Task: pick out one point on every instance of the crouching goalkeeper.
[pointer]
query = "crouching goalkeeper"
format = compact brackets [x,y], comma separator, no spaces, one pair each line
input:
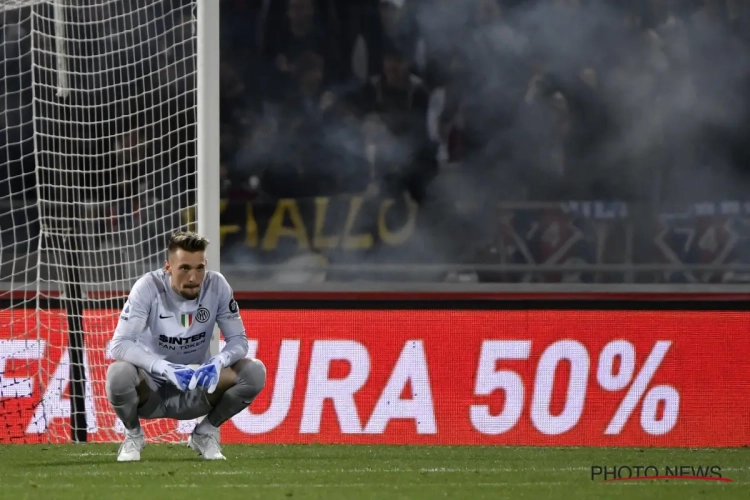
[161,348]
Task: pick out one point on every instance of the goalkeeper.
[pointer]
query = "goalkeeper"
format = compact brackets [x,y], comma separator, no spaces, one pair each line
[161,346]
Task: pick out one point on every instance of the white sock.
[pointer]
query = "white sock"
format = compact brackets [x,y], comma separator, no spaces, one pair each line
[134,432]
[205,427]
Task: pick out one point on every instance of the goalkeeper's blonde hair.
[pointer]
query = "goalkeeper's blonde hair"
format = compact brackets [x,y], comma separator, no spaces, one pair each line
[187,241]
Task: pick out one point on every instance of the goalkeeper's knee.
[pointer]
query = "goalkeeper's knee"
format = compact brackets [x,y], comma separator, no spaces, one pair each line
[122,380]
[251,377]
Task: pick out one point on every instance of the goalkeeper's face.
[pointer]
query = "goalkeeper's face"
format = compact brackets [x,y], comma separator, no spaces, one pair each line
[187,270]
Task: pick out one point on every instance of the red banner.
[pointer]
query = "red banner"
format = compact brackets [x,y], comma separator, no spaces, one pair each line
[589,378]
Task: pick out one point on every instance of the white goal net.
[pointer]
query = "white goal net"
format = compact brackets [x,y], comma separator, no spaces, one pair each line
[97,166]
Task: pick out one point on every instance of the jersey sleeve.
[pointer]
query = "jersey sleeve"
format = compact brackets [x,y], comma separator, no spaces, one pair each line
[132,323]
[230,323]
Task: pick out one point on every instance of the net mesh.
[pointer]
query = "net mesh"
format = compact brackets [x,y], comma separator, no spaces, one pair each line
[97,154]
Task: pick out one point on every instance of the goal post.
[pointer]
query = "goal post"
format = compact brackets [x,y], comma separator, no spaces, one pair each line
[109,134]
[209,139]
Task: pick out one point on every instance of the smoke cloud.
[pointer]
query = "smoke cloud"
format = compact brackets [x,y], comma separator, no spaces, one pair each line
[662,122]
[570,100]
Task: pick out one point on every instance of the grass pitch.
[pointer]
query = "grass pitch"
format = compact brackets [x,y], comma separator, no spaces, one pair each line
[166,472]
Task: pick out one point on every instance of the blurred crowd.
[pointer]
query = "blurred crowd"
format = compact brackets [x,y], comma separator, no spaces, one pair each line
[509,99]
[490,99]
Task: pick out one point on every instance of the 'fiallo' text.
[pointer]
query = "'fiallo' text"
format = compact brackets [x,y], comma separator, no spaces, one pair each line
[347,223]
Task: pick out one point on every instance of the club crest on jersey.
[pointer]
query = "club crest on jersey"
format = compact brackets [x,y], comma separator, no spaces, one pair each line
[186,320]
[202,315]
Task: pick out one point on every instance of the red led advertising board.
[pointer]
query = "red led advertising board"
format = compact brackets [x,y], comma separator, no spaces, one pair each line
[538,377]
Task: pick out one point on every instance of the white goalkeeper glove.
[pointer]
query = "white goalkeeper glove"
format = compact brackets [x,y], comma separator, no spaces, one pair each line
[207,375]
[178,375]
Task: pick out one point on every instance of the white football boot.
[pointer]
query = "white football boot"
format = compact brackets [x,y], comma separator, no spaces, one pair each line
[207,445]
[130,449]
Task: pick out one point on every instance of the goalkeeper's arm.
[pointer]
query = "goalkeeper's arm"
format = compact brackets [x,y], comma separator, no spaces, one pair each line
[125,349]
[131,324]
[230,323]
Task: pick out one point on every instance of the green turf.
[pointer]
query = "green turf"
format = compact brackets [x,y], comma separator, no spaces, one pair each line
[358,472]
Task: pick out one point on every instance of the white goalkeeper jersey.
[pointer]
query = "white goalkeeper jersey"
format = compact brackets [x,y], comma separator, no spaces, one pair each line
[158,323]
